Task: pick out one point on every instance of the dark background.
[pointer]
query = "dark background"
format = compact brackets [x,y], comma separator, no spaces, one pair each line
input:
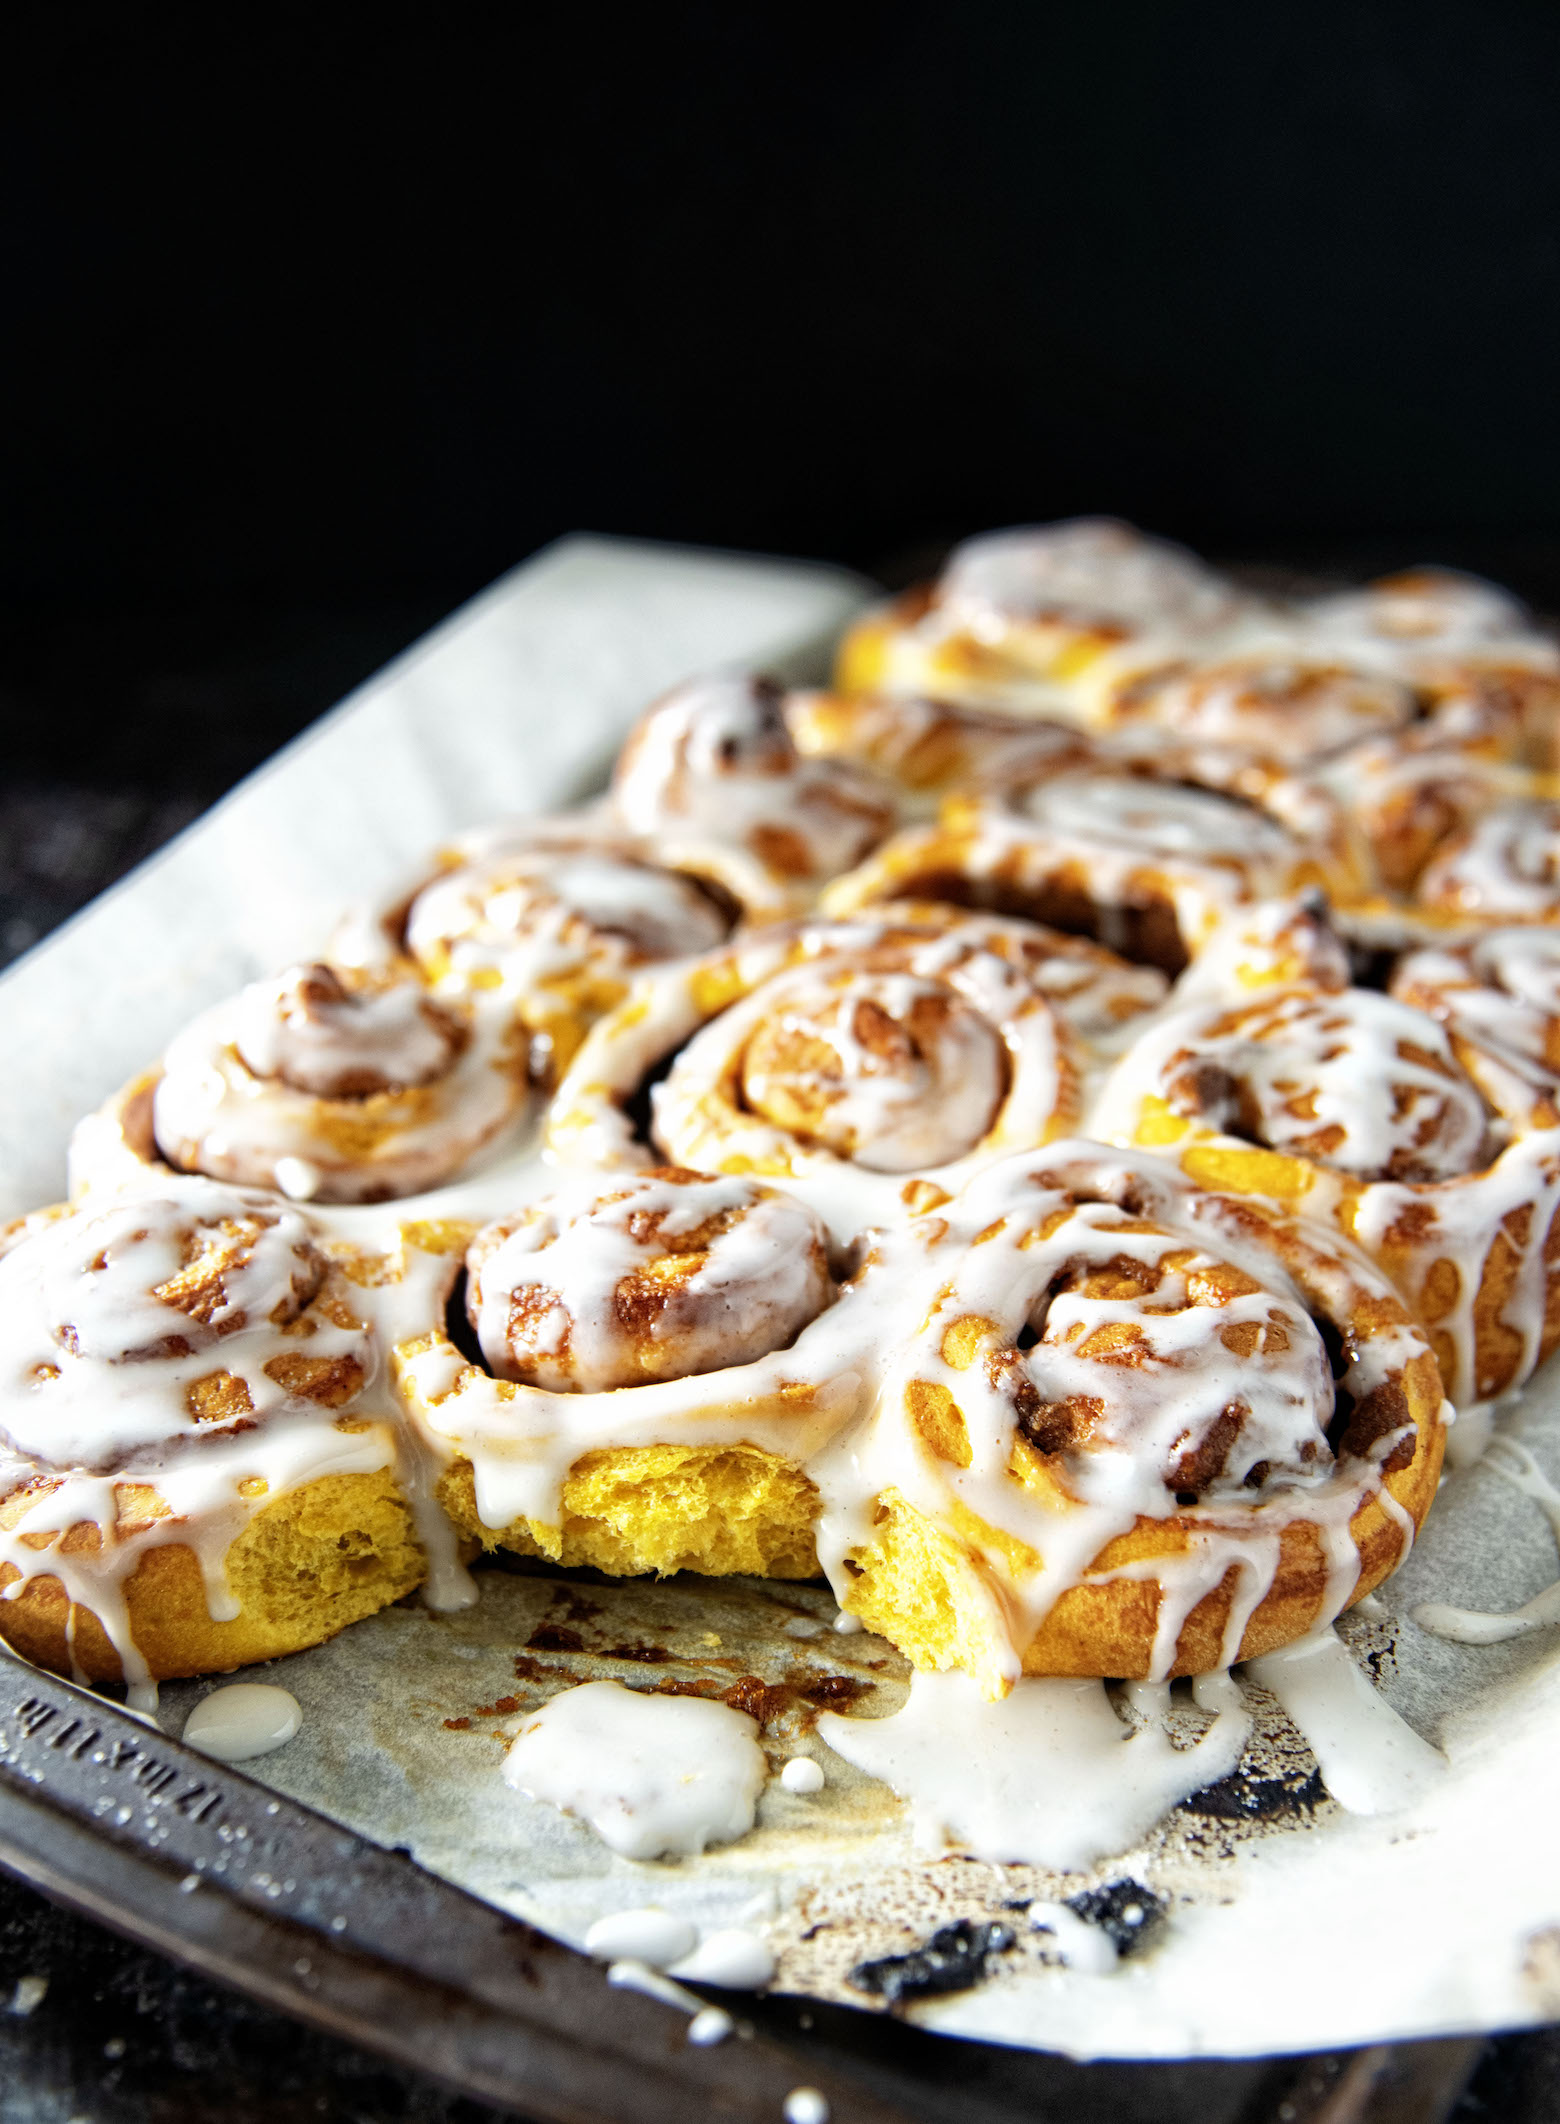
[312,323]
[316,322]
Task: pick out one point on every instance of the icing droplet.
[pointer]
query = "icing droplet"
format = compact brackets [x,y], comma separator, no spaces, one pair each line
[298,1178]
[711,2026]
[236,1724]
[848,1625]
[1372,1761]
[648,1935]
[801,1774]
[1048,1776]
[804,2105]
[737,1959]
[653,1775]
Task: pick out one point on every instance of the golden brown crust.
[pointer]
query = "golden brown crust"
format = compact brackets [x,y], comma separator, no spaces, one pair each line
[305,1566]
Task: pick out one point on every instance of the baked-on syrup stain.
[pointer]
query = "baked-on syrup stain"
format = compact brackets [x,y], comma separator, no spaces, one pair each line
[1128,1913]
[953,1959]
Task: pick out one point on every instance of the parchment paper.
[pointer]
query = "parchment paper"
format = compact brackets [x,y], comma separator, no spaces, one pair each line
[1307,1929]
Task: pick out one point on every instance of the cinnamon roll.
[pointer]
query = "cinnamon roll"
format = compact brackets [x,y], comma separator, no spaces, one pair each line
[928,748]
[1139,1430]
[1149,867]
[193,1475]
[556,917]
[1355,1108]
[1438,611]
[1017,616]
[711,778]
[910,1043]
[653,1359]
[1504,867]
[326,1083]
[1284,706]
[1498,996]
[1413,793]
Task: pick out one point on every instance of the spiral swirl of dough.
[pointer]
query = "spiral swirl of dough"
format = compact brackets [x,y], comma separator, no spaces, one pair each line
[906,1042]
[1504,867]
[1148,866]
[557,919]
[712,779]
[1352,1080]
[1286,708]
[665,1274]
[1116,1443]
[168,1317]
[336,1086]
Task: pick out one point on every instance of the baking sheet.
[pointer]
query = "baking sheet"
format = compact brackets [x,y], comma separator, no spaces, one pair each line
[1309,1929]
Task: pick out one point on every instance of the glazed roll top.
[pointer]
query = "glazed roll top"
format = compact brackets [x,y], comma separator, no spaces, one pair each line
[556,919]
[666,1275]
[1284,707]
[1090,575]
[1134,1433]
[336,1084]
[193,1470]
[164,1320]
[1505,866]
[713,774]
[1348,1079]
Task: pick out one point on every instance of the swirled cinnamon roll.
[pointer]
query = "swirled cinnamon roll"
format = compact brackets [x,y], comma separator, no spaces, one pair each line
[1286,708]
[1138,1430]
[556,917]
[1413,793]
[1356,1108]
[929,748]
[712,780]
[910,1043]
[1498,996]
[1148,866]
[1504,867]
[1017,616]
[326,1083]
[654,1359]
[1428,610]
[192,1472]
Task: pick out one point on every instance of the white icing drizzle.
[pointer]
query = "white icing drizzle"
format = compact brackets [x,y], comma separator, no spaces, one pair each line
[336,1093]
[1510,1459]
[1498,996]
[1419,608]
[1167,1378]
[710,2025]
[1506,864]
[245,1720]
[1353,1080]
[1087,574]
[735,1958]
[713,777]
[1082,1946]
[319,1035]
[805,2105]
[646,1935]
[156,1345]
[1286,707]
[1459,1223]
[1372,1761]
[1048,1776]
[654,1776]
[555,1294]
[702,1115]
[536,909]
